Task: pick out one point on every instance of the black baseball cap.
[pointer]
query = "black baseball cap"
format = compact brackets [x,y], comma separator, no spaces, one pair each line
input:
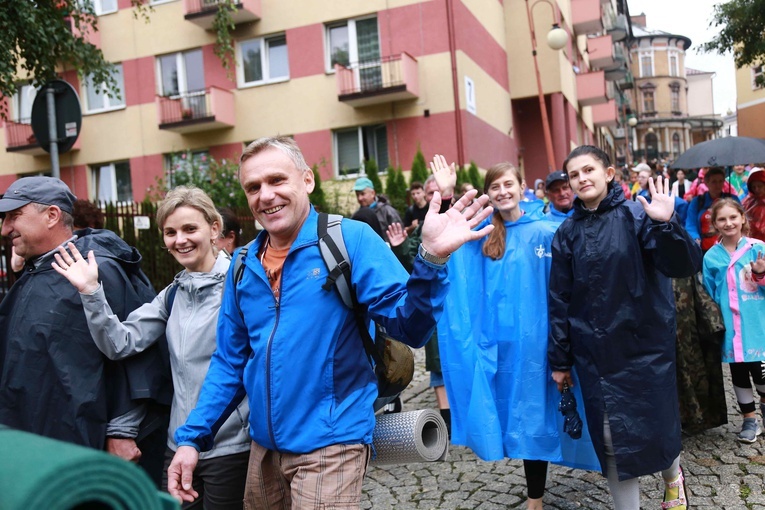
[556,176]
[38,190]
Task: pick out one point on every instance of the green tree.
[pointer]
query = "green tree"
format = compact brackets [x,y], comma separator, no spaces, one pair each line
[396,189]
[317,197]
[462,177]
[219,179]
[420,171]
[38,36]
[739,26]
[475,176]
[370,167]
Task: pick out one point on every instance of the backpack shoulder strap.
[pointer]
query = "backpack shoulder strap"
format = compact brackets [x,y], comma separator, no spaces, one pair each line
[170,294]
[239,267]
[335,255]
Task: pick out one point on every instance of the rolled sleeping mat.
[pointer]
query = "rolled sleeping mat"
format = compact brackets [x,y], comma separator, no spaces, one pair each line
[39,472]
[415,436]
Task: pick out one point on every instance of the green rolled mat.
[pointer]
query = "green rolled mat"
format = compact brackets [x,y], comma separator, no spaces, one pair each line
[38,473]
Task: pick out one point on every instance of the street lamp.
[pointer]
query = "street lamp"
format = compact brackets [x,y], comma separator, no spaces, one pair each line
[631,122]
[556,39]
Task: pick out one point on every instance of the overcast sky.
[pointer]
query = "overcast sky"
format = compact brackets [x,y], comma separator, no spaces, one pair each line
[691,19]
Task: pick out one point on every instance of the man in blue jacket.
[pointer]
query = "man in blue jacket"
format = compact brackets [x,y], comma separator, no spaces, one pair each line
[561,197]
[294,348]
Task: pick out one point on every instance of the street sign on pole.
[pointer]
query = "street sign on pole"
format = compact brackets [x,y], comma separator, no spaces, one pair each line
[56,119]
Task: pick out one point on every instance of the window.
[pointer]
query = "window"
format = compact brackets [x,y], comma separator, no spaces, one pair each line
[756,73]
[674,69]
[111,182]
[646,64]
[353,43]
[674,95]
[182,76]
[105,6]
[648,103]
[676,144]
[22,103]
[187,167]
[355,146]
[262,60]
[98,97]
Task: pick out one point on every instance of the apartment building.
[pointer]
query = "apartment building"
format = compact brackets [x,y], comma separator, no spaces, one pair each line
[349,80]
[750,102]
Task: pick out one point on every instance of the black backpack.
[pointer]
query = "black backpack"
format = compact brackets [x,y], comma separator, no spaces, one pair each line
[392,360]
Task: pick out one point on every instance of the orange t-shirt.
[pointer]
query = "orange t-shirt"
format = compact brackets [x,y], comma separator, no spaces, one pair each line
[272,261]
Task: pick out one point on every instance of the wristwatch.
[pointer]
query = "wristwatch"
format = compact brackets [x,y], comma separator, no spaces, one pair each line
[432,258]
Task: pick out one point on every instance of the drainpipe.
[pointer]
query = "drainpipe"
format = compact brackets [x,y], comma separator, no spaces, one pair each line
[455,84]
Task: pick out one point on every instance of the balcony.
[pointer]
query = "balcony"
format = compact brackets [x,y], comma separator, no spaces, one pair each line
[601,52]
[591,88]
[617,28]
[586,16]
[193,112]
[605,114]
[202,12]
[385,80]
[19,139]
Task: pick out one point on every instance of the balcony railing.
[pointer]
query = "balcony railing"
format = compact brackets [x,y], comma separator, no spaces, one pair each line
[383,80]
[591,88]
[20,139]
[202,12]
[194,111]
[601,52]
[605,114]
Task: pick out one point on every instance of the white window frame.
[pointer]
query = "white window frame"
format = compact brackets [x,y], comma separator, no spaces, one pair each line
[353,50]
[105,94]
[336,153]
[673,55]
[649,54]
[756,71]
[160,2]
[265,63]
[95,174]
[183,86]
[97,7]
[202,154]
[23,89]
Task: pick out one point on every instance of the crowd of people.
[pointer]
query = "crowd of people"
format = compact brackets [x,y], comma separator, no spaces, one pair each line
[224,391]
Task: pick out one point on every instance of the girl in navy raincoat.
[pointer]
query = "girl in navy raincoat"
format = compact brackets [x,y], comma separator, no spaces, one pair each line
[493,355]
[619,332]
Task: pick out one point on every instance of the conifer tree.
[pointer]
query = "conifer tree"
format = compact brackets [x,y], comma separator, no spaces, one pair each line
[420,171]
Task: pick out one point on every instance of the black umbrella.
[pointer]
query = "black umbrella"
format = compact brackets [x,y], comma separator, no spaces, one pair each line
[728,151]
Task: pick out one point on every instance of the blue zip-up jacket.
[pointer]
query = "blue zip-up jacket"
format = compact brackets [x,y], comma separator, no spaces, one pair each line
[696,208]
[301,360]
[556,216]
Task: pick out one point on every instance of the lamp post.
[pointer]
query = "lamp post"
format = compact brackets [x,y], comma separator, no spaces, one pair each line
[631,122]
[556,39]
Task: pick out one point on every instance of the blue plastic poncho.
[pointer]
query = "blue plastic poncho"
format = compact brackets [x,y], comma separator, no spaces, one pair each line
[493,342]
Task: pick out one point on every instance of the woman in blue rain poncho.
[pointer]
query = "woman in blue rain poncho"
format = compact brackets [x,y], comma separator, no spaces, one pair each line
[494,353]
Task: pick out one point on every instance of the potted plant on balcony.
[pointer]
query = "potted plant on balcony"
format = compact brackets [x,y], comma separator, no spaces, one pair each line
[187,113]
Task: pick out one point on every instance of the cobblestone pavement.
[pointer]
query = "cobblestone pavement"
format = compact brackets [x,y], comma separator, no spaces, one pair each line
[720,473]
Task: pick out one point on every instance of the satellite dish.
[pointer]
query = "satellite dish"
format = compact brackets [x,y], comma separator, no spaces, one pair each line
[68,115]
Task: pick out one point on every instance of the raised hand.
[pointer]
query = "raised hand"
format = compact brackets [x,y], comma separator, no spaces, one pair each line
[758,265]
[81,273]
[396,234]
[662,204]
[444,233]
[445,175]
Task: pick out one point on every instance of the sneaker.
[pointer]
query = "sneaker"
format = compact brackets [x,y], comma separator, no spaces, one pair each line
[749,430]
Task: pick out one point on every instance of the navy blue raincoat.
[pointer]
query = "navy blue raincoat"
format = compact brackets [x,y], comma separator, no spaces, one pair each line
[612,316]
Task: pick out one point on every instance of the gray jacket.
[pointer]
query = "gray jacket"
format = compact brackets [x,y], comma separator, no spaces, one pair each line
[190,331]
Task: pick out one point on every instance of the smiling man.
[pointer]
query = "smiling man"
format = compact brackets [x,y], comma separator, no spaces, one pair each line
[294,348]
[53,379]
[368,197]
[561,197]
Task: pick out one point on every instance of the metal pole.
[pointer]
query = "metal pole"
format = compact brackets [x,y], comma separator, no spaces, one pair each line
[50,94]
[542,103]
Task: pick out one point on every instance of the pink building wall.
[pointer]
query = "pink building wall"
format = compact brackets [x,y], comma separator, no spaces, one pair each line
[140,81]
[305,49]
[144,171]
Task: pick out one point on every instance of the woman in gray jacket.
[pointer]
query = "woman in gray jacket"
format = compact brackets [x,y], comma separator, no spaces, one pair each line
[186,312]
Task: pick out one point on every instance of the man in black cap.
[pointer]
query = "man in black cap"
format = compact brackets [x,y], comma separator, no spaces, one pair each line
[561,197]
[53,379]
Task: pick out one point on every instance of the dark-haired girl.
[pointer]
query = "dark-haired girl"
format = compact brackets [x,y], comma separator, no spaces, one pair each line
[493,339]
[619,333]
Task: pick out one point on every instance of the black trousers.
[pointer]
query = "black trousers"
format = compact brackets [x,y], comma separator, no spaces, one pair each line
[219,481]
[536,477]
